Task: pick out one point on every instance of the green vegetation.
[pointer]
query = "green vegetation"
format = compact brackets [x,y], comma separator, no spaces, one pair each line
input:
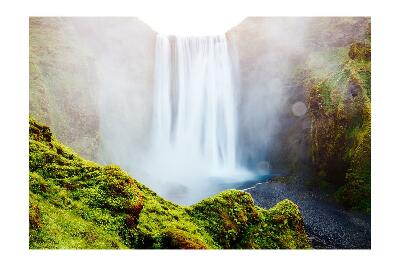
[339,101]
[60,84]
[78,204]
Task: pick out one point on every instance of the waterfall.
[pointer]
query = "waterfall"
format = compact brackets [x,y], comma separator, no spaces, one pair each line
[194,132]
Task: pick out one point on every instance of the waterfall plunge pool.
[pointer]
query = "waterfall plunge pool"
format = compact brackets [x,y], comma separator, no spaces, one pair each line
[208,186]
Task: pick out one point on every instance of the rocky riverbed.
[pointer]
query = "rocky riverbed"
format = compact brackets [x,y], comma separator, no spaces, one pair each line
[328,224]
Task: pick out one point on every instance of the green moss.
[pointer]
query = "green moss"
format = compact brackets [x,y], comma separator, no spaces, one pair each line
[75,203]
[360,51]
[279,227]
[65,229]
[356,192]
[325,62]
[60,84]
[339,99]
[226,216]
[235,222]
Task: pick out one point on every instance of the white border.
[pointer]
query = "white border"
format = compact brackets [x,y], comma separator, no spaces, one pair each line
[14,134]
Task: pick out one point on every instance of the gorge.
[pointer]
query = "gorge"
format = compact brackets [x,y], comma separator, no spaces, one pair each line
[280,99]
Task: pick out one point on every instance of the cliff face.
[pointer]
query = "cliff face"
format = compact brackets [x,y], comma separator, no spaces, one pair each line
[272,54]
[323,66]
[339,101]
[78,69]
[268,50]
[61,84]
[75,203]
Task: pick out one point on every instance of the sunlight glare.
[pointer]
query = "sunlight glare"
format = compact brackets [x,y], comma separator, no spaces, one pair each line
[192,25]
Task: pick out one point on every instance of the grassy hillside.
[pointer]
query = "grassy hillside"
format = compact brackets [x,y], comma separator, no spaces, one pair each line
[78,204]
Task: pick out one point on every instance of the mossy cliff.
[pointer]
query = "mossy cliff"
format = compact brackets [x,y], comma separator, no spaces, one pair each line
[338,82]
[61,81]
[78,204]
[72,62]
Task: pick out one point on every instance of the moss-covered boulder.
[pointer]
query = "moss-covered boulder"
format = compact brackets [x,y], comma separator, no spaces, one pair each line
[279,227]
[77,204]
[226,216]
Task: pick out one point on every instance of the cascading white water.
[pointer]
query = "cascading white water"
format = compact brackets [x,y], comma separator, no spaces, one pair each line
[194,117]
[194,110]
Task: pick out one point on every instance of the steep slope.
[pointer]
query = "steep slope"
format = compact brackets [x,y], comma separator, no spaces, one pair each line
[270,51]
[323,64]
[83,73]
[75,203]
[61,84]
[338,83]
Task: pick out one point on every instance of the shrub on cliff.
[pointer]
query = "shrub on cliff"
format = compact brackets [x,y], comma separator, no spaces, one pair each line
[360,51]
